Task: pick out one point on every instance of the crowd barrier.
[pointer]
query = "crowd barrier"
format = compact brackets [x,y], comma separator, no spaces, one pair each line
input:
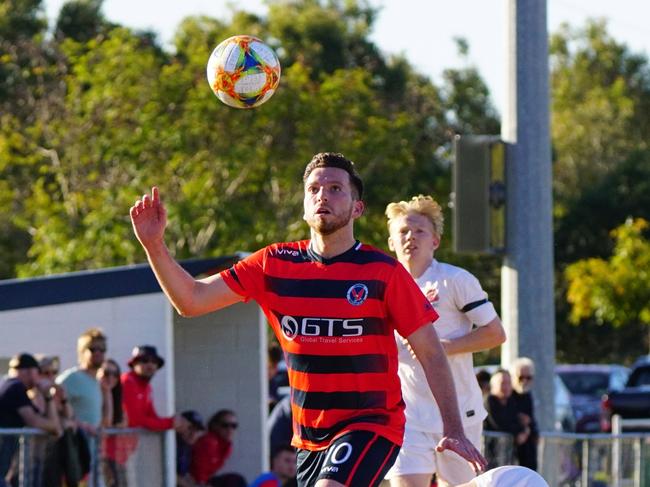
[135,457]
[581,460]
[118,457]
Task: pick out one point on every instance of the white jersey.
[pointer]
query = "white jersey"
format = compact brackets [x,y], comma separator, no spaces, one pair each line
[460,302]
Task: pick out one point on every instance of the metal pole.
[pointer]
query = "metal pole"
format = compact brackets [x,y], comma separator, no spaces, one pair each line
[637,462]
[616,451]
[24,465]
[585,462]
[527,305]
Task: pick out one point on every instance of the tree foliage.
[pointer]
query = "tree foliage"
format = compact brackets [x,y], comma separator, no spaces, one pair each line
[616,290]
[110,114]
[600,96]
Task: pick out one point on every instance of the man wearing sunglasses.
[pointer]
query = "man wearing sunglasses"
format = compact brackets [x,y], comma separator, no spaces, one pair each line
[137,394]
[211,450]
[80,383]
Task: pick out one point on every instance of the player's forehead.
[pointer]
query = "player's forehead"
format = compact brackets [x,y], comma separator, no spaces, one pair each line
[328,175]
[412,219]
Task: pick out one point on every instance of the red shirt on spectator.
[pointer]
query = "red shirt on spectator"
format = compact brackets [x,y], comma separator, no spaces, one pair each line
[137,402]
[209,453]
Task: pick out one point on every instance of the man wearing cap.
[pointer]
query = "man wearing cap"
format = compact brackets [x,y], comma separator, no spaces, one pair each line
[17,410]
[137,394]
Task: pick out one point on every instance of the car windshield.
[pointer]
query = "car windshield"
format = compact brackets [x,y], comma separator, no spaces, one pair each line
[586,382]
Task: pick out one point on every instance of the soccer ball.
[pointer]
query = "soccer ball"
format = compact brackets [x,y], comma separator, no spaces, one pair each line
[243,71]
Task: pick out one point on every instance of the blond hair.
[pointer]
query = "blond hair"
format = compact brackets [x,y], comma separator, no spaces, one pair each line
[88,337]
[424,205]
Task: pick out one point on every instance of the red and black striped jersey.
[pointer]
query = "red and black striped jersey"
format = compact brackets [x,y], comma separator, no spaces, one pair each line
[334,319]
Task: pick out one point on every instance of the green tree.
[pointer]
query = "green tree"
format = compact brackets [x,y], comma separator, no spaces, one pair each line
[601,94]
[128,115]
[616,290]
[81,20]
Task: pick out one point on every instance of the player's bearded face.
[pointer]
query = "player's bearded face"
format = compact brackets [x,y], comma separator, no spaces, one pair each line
[329,205]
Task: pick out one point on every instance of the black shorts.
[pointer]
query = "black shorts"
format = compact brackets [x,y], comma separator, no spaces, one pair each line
[355,459]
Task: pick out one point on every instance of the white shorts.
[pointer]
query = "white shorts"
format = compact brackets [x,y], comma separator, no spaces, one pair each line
[418,455]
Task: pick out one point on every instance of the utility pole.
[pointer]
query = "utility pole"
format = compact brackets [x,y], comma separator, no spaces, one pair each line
[527,304]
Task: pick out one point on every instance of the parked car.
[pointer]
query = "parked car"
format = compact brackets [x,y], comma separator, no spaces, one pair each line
[632,401]
[586,384]
[564,417]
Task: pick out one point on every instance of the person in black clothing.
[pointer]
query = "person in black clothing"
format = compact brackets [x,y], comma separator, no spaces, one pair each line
[503,414]
[523,372]
[17,410]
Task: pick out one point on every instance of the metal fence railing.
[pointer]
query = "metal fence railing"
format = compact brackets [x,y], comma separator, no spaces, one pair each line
[581,460]
[134,458]
[118,457]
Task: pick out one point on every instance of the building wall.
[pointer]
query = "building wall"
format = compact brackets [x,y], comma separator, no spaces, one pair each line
[212,362]
[220,363]
[126,321]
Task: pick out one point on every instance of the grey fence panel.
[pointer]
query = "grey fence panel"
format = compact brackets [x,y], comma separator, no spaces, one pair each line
[134,458]
[118,458]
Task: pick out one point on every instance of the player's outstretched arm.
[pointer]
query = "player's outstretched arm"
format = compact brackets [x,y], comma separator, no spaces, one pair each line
[428,349]
[189,296]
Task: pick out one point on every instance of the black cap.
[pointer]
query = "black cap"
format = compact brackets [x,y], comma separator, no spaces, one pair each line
[23,361]
[194,418]
[148,351]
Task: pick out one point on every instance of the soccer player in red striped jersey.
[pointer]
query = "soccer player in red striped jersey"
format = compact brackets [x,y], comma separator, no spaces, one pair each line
[334,304]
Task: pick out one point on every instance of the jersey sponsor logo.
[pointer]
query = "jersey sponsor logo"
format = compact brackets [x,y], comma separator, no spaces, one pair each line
[357,294]
[320,327]
[291,252]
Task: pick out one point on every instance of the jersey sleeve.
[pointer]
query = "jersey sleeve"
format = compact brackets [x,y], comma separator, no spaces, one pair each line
[408,308]
[472,300]
[246,277]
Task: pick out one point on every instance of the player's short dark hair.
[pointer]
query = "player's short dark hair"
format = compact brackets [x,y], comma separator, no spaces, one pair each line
[334,159]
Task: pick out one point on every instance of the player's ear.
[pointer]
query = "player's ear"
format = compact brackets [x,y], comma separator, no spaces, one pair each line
[436,242]
[391,247]
[358,208]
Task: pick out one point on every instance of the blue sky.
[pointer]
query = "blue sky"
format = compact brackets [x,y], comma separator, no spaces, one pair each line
[423,30]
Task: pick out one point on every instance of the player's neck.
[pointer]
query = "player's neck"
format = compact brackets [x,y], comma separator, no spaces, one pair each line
[417,267]
[334,244]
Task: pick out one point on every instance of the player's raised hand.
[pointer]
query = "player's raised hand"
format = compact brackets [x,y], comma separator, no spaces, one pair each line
[463,447]
[149,218]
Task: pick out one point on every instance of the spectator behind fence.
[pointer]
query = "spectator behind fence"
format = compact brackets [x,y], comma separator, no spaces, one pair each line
[18,411]
[109,380]
[483,379]
[212,449]
[113,417]
[137,393]
[280,424]
[283,469]
[184,444]
[275,379]
[502,409]
[523,373]
[63,457]
[80,382]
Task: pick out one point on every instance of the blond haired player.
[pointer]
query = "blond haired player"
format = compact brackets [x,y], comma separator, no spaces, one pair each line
[468,323]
